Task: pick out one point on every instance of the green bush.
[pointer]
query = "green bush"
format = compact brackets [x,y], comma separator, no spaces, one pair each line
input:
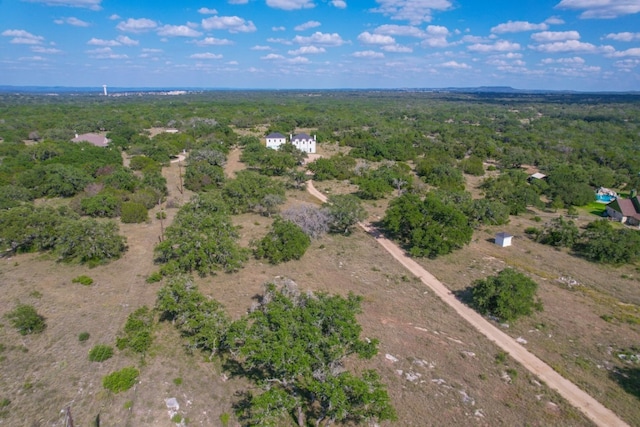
[137,331]
[26,319]
[83,280]
[83,336]
[100,353]
[154,277]
[507,296]
[285,241]
[121,380]
[133,213]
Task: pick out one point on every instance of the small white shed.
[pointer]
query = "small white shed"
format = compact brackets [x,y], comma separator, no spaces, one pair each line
[503,239]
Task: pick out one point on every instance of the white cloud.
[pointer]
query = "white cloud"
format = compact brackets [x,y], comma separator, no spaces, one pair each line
[22,37]
[319,38]
[368,38]
[436,36]
[629,52]
[456,65]
[307,50]
[40,49]
[623,37]
[72,21]
[554,36]
[31,58]
[499,46]
[280,28]
[627,64]
[570,46]
[178,31]
[298,60]
[141,25]
[554,20]
[370,54]
[127,41]
[238,1]
[207,11]
[400,30]
[280,41]
[105,53]
[114,17]
[290,4]
[233,24]
[601,9]
[307,25]
[272,57]
[414,11]
[518,27]
[576,60]
[100,42]
[212,41]
[340,4]
[207,55]
[120,40]
[396,48]
[259,47]
[87,4]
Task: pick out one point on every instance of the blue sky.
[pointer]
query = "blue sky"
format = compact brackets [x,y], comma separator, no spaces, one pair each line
[587,45]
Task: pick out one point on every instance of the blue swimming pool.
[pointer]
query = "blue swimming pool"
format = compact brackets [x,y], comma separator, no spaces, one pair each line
[605,198]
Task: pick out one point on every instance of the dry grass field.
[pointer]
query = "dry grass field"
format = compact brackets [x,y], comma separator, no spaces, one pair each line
[439,371]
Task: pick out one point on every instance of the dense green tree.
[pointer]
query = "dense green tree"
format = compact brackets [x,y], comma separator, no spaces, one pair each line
[284,242]
[428,227]
[13,195]
[28,228]
[603,243]
[247,190]
[486,212]
[508,295]
[133,213]
[345,211]
[512,189]
[294,345]
[472,165]
[201,320]
[54,180]
[105,204]
[89,241]
[201,239]
[202,176]
[137,332]
[559,232]
[338,167]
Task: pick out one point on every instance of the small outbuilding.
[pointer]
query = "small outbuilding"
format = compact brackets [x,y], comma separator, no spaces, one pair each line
[503,239]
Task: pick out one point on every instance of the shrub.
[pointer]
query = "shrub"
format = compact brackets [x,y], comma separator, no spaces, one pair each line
[121,380]
[26,320]
[83,280]
[154,277]
[133,213]
[83,336]
[285,241]
[507,296]
[100,353]
[137,331]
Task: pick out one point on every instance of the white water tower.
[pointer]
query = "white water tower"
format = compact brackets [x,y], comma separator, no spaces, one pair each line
[104,89]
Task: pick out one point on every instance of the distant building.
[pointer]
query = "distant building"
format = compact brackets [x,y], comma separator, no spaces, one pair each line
[301,141]
[535,176]
[503,239]
[304,142]
[627,211]
[92,138]
[275,140]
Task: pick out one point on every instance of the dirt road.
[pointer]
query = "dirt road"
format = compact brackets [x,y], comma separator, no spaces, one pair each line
[593,409]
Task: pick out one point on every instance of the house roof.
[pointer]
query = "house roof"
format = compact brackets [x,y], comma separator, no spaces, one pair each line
[627,207]
[92,138]
[503,235]
[301,136]
[538,175]
[276,135]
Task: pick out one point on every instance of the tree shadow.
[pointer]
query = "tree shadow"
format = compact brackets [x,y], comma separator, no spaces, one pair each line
[628,378]
[465,296]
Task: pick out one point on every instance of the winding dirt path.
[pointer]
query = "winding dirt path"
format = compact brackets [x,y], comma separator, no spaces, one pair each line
[593,409]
